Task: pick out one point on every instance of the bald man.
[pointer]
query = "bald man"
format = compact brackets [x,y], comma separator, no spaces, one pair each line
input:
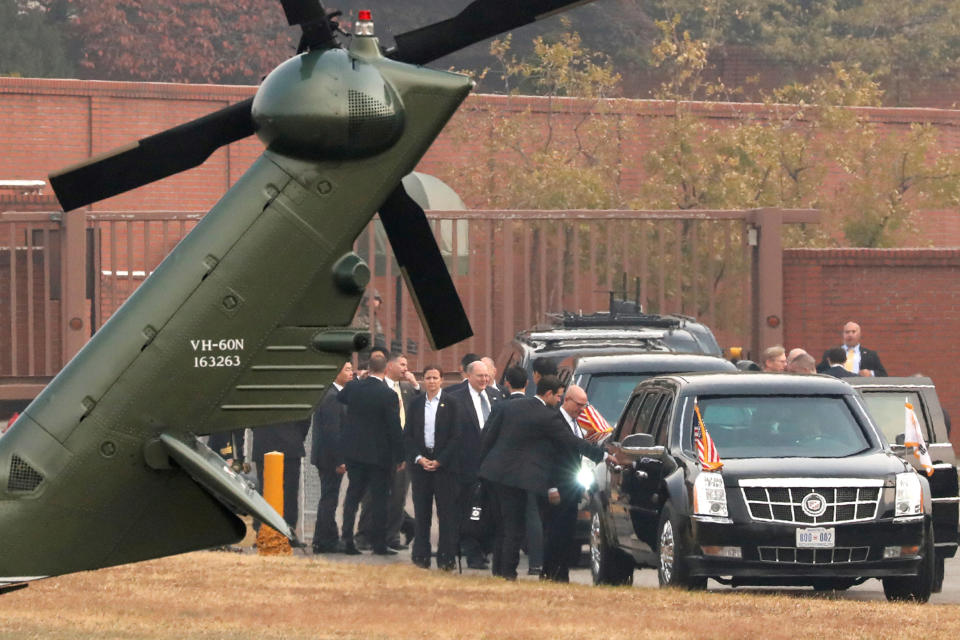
[859,360]
[560,519]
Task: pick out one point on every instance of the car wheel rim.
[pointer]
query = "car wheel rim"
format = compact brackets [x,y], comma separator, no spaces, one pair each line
[666,552]
[595,544]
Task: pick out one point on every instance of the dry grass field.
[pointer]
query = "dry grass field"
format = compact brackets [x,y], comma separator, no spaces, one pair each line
[226,595]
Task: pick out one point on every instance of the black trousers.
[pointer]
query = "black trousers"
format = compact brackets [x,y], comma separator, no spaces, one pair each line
[367,477]
[325,531]
[534,533]
[440,485]
[512,505]
[291,489]
[396,507]
[471,543]
[559,526]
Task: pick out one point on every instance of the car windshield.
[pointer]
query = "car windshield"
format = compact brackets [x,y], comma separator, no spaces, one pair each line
[781,426]
[609,393]
[889,412]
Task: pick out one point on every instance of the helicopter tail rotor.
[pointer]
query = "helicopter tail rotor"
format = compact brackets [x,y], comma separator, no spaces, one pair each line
[424,270]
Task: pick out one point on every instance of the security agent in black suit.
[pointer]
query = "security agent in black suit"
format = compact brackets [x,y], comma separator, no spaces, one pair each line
[475,406]
[397,377]
[515,381]
[835,358]
[520,453]
[287,438]
[326,456]
[432,444]
[372,446]
[864,362]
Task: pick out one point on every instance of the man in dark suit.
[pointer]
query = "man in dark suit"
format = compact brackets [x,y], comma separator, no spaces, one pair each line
[287,438]
[372,445]
[432,445]
[465,362]
[858,359]
[326,456]
[520,453]
[475,406]
[560,520]
[402,382]
[835,358]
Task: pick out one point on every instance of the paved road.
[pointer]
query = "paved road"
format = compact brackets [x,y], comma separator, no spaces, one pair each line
[647,578]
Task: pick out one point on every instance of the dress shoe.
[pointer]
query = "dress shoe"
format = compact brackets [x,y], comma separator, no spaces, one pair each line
[396,545]
[423,563]
[534,571]
[350,549]
[478,563]
[362,543]
[326,547]
[385,551]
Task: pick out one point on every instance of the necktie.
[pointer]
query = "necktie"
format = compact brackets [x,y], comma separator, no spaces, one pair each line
[403,414]
[484,406]
[848,365]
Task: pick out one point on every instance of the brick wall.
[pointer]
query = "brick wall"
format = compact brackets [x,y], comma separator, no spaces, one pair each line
[49,124]
[907,302]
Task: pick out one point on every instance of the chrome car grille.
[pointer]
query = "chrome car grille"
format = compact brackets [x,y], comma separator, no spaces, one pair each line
[785,503]
[792,555]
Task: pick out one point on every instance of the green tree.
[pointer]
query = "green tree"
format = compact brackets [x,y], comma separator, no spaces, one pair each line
[33,42]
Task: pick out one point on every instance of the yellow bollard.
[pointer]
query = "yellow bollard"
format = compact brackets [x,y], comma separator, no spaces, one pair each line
[271,542]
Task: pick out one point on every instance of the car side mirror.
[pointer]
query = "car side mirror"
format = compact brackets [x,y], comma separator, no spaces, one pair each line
[642,444]
[900,439]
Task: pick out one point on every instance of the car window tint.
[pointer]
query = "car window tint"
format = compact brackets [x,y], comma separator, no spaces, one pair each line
[645,417]
[781,426]
[626,421]
[889,412]
[609,393]
[662,420]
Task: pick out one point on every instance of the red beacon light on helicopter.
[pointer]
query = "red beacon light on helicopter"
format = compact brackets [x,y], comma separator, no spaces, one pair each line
[364,26]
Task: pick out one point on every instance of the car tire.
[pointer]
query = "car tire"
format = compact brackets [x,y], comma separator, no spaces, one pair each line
[919,587]
[607,565]
[673,547]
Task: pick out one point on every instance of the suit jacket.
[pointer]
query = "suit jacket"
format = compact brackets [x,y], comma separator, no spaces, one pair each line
[523,444]
[869,359]
[328,419]
[371,433]
[568,462]
[285,437]
[470,429]
[837,371]
[446,435]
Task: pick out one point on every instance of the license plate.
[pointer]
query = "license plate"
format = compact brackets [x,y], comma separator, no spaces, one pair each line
[816,537]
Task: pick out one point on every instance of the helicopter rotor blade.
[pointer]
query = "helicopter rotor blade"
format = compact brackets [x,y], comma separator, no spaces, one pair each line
[152,158]
[481,19]
[302,11]
[424,270]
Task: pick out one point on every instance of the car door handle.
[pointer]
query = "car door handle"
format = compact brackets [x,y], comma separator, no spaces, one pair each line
[641,475]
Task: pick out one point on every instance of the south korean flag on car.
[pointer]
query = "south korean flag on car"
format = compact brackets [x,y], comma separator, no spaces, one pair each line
[913,437]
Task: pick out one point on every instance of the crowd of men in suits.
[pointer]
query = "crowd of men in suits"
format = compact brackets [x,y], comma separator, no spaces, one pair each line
[850,359]
[483,455]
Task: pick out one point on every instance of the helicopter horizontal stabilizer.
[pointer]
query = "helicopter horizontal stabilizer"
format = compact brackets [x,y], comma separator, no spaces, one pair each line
[212,473]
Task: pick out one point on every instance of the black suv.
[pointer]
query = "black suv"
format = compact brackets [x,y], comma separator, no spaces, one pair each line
[809,493]
[885,398]
[617,331]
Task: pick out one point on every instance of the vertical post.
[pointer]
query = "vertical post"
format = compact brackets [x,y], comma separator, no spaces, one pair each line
[767,272]
[269,541]
[75,321]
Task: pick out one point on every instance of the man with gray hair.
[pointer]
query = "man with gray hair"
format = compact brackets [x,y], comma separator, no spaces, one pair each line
[801,362]
[773,359]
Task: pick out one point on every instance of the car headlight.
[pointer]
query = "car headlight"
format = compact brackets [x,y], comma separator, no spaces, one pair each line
[709,495]
[909,500]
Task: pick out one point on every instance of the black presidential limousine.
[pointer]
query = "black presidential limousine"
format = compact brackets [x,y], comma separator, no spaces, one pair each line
[810,492]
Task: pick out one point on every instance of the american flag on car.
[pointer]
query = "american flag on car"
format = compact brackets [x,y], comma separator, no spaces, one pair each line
[592,423]
[706,450]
